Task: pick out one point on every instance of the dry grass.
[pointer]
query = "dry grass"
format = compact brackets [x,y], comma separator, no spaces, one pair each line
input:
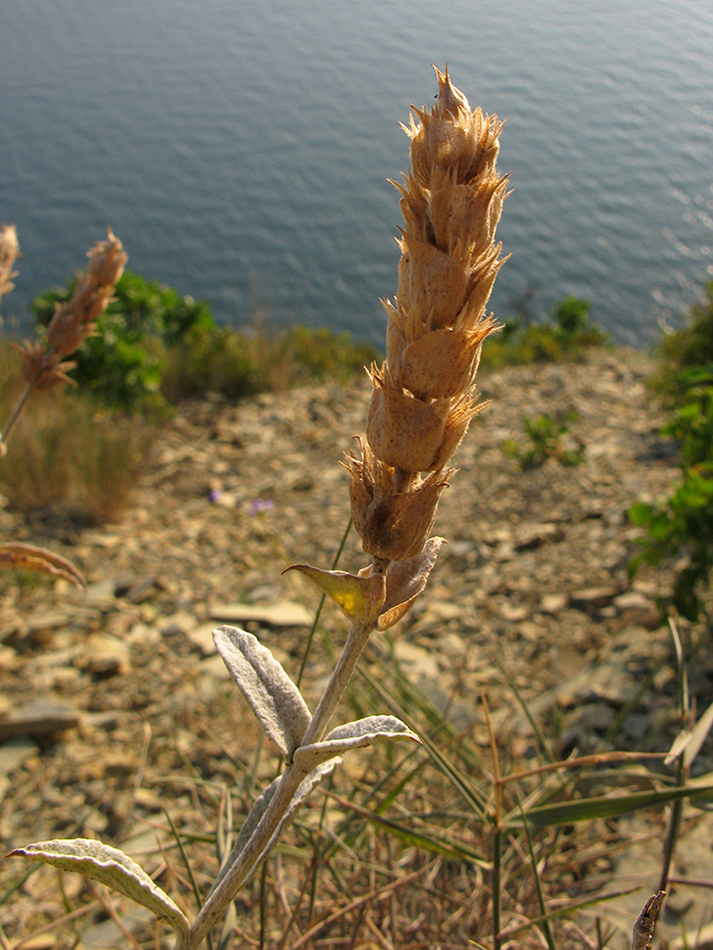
[67,459]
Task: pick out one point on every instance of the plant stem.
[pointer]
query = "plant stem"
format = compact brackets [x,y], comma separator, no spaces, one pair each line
[255,848]
[10,425]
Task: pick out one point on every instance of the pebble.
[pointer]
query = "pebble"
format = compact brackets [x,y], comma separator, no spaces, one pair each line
[42,717]
[280,614]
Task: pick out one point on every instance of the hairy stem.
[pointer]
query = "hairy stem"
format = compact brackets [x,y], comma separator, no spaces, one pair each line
[15,415]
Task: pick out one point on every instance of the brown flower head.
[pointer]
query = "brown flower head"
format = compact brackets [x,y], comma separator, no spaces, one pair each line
[424,393]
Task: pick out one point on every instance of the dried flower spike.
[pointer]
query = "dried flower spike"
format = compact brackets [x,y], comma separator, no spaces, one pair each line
[42,364]
[74,321]
[424,393]
[9,252]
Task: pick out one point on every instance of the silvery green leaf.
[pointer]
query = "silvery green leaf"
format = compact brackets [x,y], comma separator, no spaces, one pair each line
[689,742]
[273,697]
[258,810]
[699,734]
[353,735]
[111,867]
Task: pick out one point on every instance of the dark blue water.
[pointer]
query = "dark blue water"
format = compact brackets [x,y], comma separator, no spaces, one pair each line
[240,148]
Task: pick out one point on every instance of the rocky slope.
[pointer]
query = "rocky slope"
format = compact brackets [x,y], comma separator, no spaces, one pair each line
[107,692]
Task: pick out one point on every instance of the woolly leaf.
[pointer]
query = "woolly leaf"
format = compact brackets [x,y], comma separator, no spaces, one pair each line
[273,697]
[353,735]
[111,867]
[260,807]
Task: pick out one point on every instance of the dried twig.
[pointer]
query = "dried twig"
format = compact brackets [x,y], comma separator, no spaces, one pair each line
[646,923]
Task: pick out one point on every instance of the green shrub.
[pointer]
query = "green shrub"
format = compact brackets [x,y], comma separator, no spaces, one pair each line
[690,346]
[153,348]
[321,354]
[567,336]
[545,434]
[121,364]
[212,360]
[683,524]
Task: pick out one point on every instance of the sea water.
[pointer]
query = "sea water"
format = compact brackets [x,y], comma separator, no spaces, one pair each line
[241,148]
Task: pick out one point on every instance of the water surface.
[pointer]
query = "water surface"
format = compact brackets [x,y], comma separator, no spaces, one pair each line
[241,149]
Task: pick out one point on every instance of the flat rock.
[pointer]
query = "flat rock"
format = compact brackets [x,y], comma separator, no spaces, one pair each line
[42,717]
[103,655]
[533,536]
[593,598]
[553,603]
[283,613]
[15,752]
[202,638]
[633,600]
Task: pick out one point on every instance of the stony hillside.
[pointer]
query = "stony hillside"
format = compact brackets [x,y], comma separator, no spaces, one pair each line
[100,689]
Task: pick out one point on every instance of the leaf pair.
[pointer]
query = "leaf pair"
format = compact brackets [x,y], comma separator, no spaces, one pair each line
[282,712]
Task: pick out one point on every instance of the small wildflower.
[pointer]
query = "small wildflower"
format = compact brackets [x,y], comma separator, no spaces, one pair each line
[261,504]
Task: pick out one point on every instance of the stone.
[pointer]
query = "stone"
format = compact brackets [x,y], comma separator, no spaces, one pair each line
[15,752]
[190,553]
[533,536]
[42,717]
[178,624]
[281,614]
[415,661]
[593,598]
[103,655]
[633,600]
[101,593]
[202,638]
[553,603]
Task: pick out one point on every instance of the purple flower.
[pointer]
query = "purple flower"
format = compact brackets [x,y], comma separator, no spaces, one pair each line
[261,504]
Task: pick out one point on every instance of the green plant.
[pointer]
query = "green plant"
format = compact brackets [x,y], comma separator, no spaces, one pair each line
[153,348]
[477,831]
[121,363]
[685,348]
[422,404]
[545,434]
[319,354]
[683,523]
[213,359]
[568,335]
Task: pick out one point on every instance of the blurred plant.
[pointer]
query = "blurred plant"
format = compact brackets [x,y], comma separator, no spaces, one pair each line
[72,321]
[43,367]
[686,348]
[69,456]
[9,252]
[422,403]
[545,433]
[121,363]
[682,525]
[153,348]
[567,336]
